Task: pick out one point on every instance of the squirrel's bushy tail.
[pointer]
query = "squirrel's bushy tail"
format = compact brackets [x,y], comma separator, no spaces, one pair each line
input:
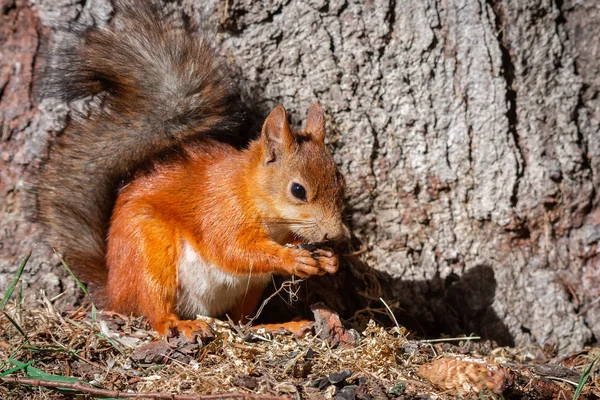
[159,84]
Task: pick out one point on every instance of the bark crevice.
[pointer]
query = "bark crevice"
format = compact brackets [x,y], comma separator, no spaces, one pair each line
[390,19]
[508,72]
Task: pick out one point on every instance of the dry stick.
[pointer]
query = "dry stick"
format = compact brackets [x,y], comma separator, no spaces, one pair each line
[453,339]
[115,393]
[284,285]
[391,313]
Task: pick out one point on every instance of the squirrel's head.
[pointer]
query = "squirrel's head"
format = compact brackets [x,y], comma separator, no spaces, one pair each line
[305,189]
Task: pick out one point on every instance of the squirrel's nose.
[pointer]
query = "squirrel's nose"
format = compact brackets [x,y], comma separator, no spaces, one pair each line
[338,234]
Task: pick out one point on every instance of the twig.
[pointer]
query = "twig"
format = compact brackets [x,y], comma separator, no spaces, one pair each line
[284,285]
[435,354]
[556,378]
[115,393]
[391,313]
[456,339]
[589,305]
[574,295]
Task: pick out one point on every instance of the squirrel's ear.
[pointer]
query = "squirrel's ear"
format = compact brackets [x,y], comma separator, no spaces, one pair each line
[315,123]
[276,134]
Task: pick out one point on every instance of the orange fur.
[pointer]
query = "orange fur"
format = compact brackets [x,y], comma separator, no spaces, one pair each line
[235,210]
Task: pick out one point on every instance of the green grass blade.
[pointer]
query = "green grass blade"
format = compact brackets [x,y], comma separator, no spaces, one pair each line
[13,284]
[584,377]
[79,283]
[20,297]
[81,286]
[94,312]
[11,355]
[111,342]
[36,373]
[17,368]
[15,324]
[33,372]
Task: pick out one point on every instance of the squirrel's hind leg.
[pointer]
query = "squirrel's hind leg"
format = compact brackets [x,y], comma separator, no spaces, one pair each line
[142,256]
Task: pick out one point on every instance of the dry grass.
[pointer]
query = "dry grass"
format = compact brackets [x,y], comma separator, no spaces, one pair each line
[68,344]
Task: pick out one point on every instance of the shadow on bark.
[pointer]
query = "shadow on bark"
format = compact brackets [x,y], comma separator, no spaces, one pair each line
[452,306]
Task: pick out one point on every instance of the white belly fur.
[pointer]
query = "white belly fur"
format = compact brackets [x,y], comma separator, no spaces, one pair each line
[205,289]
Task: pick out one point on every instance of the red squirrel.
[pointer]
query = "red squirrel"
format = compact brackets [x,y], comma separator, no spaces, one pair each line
[146,203]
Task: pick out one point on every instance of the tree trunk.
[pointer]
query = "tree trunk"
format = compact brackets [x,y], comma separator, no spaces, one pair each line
[468,131]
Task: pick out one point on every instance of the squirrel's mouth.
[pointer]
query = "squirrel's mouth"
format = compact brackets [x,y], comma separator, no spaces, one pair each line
[307,241]
[300,238]
[310,239]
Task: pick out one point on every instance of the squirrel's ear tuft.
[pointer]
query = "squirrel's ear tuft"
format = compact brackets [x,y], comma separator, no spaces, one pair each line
[276,134]
[315,124]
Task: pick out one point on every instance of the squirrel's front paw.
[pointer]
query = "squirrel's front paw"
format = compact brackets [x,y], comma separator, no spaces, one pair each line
[328,260]
[305,263]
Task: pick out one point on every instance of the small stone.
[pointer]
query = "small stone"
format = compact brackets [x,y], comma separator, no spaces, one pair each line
[338,377]
[151,353]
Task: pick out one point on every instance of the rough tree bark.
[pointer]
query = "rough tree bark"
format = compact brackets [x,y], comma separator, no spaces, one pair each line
[469,133]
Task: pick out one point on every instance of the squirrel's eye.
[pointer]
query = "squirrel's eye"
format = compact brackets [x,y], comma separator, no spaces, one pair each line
[298,191]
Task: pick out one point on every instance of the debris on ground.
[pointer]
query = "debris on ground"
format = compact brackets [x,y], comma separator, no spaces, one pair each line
[46,353]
